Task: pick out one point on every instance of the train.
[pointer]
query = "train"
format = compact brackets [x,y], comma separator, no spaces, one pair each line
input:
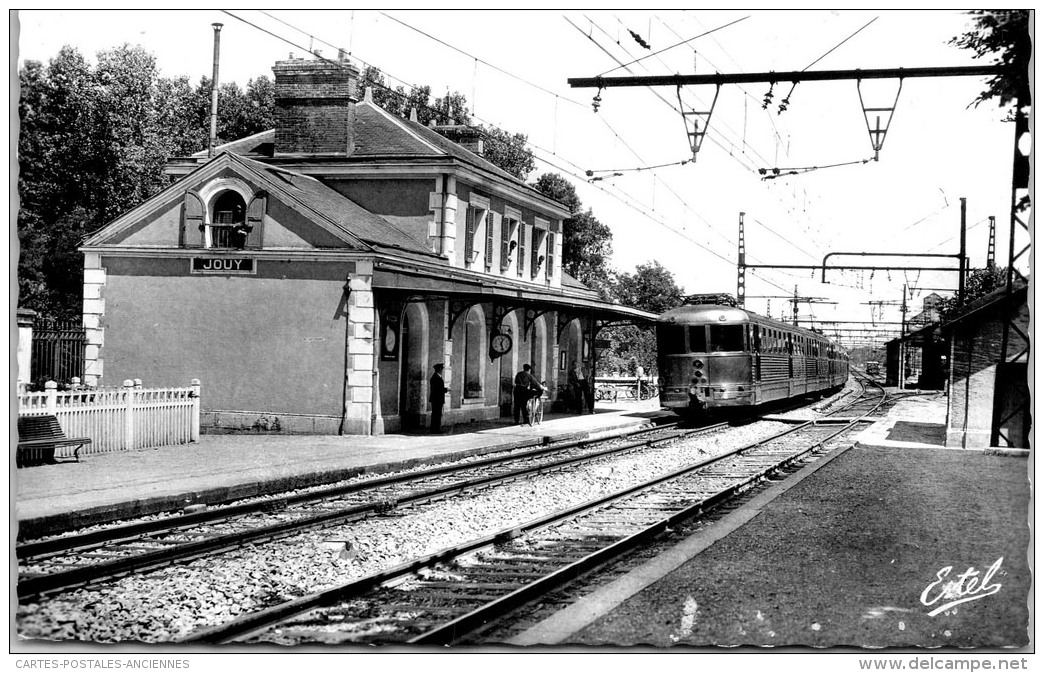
[714,355]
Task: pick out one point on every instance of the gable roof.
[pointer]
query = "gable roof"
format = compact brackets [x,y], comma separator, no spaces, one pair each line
[378,133]
[343,217]
[348,216]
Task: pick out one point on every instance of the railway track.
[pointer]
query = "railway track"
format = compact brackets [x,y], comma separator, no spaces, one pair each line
[57,564]
[442,597]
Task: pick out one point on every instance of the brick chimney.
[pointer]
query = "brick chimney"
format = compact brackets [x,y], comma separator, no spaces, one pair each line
[468,137]
[315,105]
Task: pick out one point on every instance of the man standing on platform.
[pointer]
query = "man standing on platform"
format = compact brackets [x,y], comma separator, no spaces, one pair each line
[578,386]
[437,397]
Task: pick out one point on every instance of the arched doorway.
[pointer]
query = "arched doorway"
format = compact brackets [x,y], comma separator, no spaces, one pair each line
[509,363]
[538,350]
[413,365]
[474,354]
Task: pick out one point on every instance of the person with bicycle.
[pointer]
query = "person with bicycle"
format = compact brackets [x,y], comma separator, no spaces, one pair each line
[526,386]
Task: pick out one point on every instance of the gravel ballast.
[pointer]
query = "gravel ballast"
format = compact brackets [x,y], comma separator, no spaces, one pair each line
[167,605]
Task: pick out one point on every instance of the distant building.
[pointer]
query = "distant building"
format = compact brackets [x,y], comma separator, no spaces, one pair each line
[317,272]
[921,352]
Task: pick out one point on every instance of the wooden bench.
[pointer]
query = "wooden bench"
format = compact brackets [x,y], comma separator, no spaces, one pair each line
[39,436]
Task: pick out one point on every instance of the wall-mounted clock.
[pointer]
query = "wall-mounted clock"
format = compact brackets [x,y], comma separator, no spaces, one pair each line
[500,343]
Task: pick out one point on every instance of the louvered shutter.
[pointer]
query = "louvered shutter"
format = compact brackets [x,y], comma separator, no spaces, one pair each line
[505,243]
[469,236]
[521,247]
[489,240]
[550,254]
[192,221]
[536,253]
[255,219]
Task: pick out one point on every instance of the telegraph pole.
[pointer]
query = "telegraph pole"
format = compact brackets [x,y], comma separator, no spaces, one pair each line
[963,254]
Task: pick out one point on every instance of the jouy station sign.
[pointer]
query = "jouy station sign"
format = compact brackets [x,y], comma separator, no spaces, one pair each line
[223,265]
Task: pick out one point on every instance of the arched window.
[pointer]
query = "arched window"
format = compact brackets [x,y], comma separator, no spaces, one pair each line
[228,227]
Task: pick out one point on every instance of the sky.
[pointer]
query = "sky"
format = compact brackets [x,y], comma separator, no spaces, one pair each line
[513,68]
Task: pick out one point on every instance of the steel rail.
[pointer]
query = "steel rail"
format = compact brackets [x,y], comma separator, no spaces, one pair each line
[31,588]
[130,531]
[247,626]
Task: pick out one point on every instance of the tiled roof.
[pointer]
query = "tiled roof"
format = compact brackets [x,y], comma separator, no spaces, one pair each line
[378,133]
[340,210]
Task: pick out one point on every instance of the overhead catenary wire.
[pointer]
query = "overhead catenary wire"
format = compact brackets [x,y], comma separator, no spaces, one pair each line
[390,75]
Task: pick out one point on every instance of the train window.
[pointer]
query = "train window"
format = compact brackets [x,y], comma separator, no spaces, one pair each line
[757,338]
[726,338]
[671,340]
[698,339]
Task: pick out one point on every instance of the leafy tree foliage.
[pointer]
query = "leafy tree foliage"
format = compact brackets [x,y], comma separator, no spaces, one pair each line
[502,149]
[980,282]
[1005,35]
[651,288]
[92,144]
[507,151]
[587,243]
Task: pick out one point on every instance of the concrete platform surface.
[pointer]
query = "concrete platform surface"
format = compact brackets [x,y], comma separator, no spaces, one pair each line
[117,485]
[865,548]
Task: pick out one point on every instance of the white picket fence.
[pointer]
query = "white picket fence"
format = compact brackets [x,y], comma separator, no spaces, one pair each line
[119,419]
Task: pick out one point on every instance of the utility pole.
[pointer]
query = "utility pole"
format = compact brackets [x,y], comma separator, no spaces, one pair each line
[963,253]
[902,343]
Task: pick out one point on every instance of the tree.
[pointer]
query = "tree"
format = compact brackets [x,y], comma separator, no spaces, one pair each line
[1004,34]
[979,283]
[587,243]
[504,150]
[507,151]
[651,288]
[93,143]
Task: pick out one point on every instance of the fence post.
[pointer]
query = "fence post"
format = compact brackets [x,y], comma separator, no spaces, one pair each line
[128,414]
[195,409]
[51,390]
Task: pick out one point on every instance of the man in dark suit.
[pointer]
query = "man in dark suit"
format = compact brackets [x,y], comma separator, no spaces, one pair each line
[526,386]
[437,397]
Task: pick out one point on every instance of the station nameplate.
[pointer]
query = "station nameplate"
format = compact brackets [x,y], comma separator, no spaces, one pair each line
[222,265]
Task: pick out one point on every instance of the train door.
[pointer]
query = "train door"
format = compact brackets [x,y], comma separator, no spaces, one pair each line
[756,351]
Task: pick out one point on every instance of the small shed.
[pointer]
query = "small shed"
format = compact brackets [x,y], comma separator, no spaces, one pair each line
[989,402]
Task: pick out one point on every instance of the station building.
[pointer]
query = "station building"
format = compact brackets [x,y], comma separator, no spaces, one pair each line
[316,273]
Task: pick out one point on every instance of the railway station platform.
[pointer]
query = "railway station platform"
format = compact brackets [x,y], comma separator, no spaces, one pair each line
[220,467]
[861,550]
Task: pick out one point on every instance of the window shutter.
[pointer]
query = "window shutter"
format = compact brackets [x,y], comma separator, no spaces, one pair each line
[550,254]
[536,253]
[489,240]
[521,247]
[469,236]
[192,221]
[255,220]
[505,243]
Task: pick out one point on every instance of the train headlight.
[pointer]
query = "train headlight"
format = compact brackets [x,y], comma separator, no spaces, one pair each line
[697,364]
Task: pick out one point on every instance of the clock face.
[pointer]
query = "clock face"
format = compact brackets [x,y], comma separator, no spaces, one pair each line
[501,343]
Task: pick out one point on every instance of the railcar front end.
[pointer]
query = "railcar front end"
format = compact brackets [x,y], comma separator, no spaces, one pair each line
[705,359]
